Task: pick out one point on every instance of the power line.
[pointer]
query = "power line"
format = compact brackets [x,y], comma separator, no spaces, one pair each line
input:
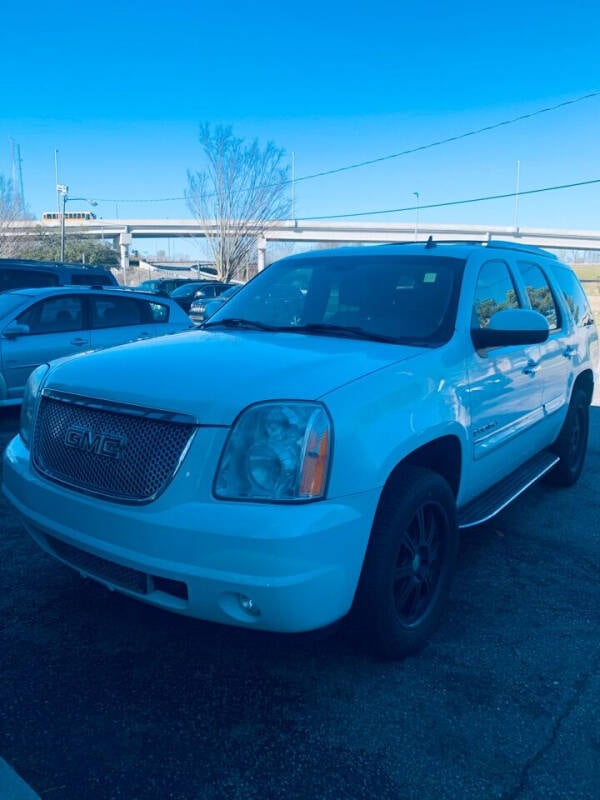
[449,139]
[452,202]
[390,156]
[139,200]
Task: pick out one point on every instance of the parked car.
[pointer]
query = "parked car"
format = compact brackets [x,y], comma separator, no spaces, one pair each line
[202,308]
[185,295]
[166,286]
[20,274]
[38,325]
[350,411]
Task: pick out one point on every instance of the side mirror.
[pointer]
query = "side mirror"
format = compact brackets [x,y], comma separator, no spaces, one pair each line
[512,326]
[15,329]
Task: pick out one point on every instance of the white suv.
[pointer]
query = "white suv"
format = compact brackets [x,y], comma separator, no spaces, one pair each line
[316,447]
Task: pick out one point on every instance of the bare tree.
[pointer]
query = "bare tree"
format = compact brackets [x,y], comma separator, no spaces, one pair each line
[11,210]
[242,189]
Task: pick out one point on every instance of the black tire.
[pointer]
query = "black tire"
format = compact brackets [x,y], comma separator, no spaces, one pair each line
[409,563]
[571,444]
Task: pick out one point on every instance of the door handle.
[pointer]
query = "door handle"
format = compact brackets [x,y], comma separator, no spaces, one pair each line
[531,368]
[569,351]
[79,342]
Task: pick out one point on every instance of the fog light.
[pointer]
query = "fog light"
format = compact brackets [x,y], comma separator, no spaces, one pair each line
[248,605]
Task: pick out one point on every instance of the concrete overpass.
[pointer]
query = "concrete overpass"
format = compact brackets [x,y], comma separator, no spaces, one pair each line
[124,231]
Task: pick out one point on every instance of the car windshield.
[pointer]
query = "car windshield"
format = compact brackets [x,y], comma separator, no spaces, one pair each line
[10,302]
[399,299]
[230,292]
[186,290]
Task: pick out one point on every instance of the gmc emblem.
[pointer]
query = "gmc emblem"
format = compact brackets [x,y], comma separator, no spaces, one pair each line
[110,445]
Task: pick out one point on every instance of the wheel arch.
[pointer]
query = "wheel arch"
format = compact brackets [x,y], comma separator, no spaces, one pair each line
[442,455]
[585,381]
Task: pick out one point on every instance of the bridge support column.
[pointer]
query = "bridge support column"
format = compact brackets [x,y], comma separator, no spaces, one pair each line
[261,244]
[124,243]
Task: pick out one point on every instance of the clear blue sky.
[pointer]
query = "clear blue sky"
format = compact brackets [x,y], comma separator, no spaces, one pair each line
[120,88]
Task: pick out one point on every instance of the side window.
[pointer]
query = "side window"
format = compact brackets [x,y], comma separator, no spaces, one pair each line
[113,312]
[158,312]
[539,292]
[495,291]
[55,315]
[91,278]
[24,278]
[574,296]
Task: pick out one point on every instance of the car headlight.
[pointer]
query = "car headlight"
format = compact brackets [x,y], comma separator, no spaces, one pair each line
[33,387]
[276,451]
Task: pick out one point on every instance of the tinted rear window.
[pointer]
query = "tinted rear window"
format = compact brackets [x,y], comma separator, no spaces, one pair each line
[574,295]
[26,278]
[92,279]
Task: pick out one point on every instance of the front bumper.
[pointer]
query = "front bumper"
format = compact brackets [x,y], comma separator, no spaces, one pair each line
[299,565]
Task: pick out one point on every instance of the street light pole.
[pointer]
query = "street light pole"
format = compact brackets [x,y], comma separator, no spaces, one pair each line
[62,191]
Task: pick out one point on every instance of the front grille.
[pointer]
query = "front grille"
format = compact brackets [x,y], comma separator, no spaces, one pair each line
[124,454]
[126,578]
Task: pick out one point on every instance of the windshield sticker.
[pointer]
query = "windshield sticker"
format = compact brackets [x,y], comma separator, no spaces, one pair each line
[430,277]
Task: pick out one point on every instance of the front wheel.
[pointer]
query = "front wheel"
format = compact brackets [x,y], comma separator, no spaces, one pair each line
[571,445]
[409,563]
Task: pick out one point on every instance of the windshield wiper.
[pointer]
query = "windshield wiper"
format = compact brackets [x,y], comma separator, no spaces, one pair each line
[238,322]
[313,328]
[349,331]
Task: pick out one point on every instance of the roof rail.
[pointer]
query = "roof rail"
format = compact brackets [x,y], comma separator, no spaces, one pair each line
[431,242]
[493,243]
[524,248]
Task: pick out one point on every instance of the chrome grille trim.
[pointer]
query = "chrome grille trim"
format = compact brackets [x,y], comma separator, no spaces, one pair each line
[155,444]
[120,408]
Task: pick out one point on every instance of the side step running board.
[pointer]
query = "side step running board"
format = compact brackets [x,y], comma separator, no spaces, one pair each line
[501,494]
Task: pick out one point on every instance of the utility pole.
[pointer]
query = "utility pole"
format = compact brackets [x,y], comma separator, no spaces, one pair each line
[293,186]
[56,180]
[517,190]
[17,174]
[418,197]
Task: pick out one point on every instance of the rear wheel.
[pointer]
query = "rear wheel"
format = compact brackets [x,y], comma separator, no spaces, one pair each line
[409,563]
[571,445]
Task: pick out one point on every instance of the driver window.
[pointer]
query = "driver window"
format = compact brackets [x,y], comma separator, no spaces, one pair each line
[494,292]
[54,315]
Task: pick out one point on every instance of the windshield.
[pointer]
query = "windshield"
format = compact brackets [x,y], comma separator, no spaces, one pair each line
[187,289]
[10,302]
[230,292]
[401,299]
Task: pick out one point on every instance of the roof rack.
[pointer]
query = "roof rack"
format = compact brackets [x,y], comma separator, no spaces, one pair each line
[493,243]
[524,248]
[431,242]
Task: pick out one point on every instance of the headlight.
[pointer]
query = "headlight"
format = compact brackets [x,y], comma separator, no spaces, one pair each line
[276,451]
[33,388]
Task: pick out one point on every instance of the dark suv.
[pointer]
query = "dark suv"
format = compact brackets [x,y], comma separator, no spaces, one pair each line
[26,274]
[163,286]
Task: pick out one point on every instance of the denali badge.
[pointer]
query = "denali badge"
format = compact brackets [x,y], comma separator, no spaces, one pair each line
[102,444]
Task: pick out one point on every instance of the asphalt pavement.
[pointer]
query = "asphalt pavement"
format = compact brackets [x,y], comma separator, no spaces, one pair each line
[104,697]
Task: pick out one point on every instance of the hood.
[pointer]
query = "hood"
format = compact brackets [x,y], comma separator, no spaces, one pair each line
[212,375]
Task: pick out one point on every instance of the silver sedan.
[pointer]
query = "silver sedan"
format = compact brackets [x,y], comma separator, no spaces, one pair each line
[38,325]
